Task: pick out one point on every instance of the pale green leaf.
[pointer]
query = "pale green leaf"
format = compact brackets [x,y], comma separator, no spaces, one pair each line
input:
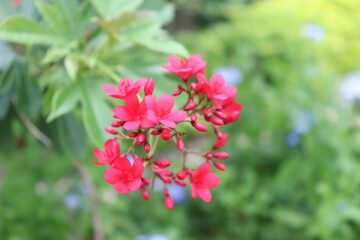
[110,9]
[96,113]
[72,65]
[27,31]
[55,53]
[64,100]
[164,46]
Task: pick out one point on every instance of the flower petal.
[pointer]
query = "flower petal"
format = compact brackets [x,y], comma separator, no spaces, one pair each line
[165,103]
[204,194]
[112,175]
[176,116]
[123,113]
[168,123]
[210,180]
[175,61]
[121,187]
[134,185]
[131,125]
[100,154]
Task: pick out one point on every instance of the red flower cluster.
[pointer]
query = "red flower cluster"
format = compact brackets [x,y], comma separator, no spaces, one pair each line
[210,103]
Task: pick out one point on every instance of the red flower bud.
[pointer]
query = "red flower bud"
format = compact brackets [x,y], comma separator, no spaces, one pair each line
[191,105]
[162,163]
[117,124]
[218,132]
[140,139]
[199,126]
[169,202]
[166,135]
[220,166]
[180,183]
[149,87]
[162,171]
[215,120]
[155,132]
[180,144]
[147,147]
[181,175]
[133,134]
[208,155]
[220,115]
[193,117]
[165,179]
[220,141]
[110,130]
[206,111]
[166,192]
[145,193]
[145,181]
[176,92]
[221,155]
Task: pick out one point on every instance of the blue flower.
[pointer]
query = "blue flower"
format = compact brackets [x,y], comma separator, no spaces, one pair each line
[72,200]
[152,237]
[177,192]
[292,139]
[304,119]
[350,88]
[232,74]
[313,32]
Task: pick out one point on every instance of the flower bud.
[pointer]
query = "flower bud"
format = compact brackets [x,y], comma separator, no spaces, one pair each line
[176,92]
[220,166]
[149,87]
[180,183]
[165,179]
[191,105]
[133,134]
[166,135]
[145,181]
[163,163]
[166,191]
[140,139]
[117,123]
[193,85]
[220,115]
[145,193]
[193,117]
[206,111]
[162,171]
[221,155]
[169,202]
[220,141]
[199,126]
[180,144]
[147,147]
[181,175]
[110,130]
[208,155]
[155,132]
[215,120]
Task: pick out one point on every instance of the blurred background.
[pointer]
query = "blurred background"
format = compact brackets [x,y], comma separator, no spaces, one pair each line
[294,170]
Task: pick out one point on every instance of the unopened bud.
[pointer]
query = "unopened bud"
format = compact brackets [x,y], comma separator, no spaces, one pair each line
[220,166]
[215,120]
[191,105]
[176,92]
[165,179]
[140,139]
[180,144]
[166,135]
[193,117]
[162,163]
[180,183]
[145,193]
[221,155]
[206,111]
[110,130]
[147,147]
[220,115]
[133,134]
[181,174]
[166,192]
[199,126]
[117,124]
[155,132]
[145,181]
[169,202]
[149,87]
[220,141]
[162,171]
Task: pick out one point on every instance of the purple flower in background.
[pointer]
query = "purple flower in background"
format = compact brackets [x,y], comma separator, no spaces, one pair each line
[232,74]
[292,139]
[177,192]
[313,32]
[342,206]
[152,237]
[350,88]
[72,200]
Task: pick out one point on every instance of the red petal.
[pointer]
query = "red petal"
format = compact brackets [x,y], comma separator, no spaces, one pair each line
[204,194]
[175,61]
[151,115]
[211,180]
[123,114]
[217,81]
[121,187]
[137,168]
[112,175]
[168,123]
[176,116]
[110,88]
[134,185]
[112,147]
[100,154]
[165,103]
[131,125]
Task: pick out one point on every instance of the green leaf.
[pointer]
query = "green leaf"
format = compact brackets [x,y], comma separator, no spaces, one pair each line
[52,15]
[70,135]
[110,9]
[27,31]
[72,65]
[96,113]
[5,101]
[55,53]
[164,46]
[63,101]
[9,76]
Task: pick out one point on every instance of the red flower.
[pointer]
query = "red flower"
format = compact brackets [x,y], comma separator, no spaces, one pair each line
[161,111]
[124,176]
[217,90]
[186,66]
[133,113]
[149,87]
[201,180]
[126,87]
[112,151]
[232,111]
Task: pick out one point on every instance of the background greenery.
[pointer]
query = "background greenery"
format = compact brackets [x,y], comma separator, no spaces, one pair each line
[294,170]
